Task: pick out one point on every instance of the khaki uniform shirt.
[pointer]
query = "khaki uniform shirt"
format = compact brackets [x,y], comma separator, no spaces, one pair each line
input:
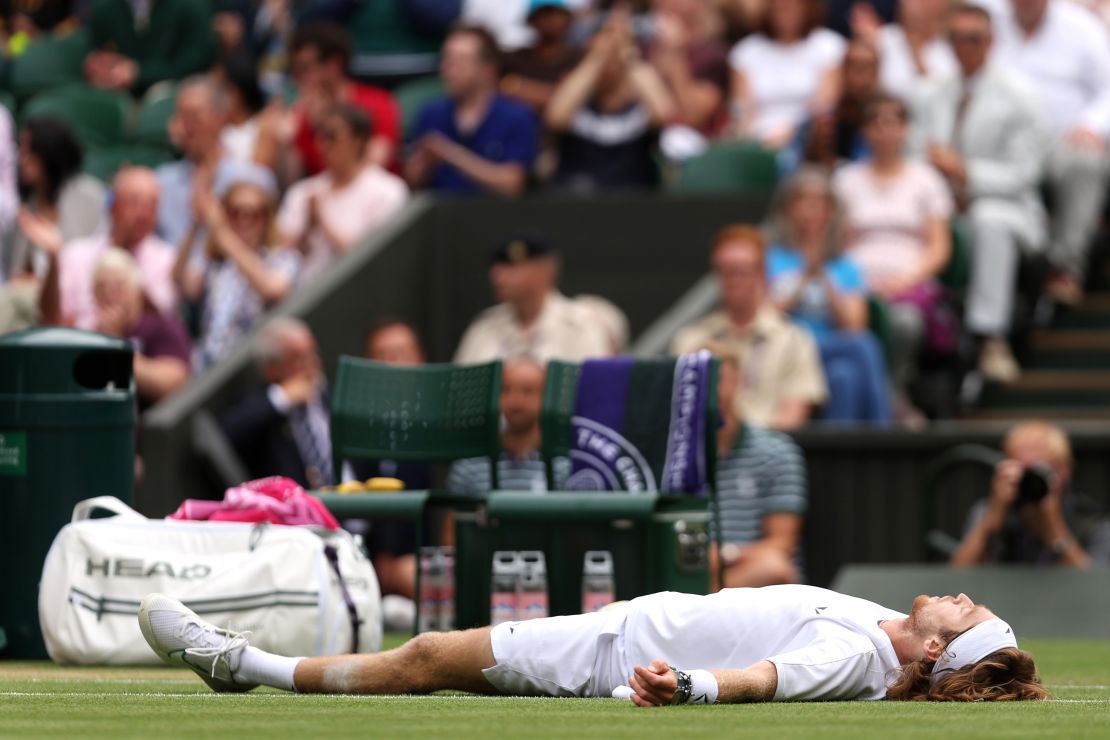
[778,360]
[564,330]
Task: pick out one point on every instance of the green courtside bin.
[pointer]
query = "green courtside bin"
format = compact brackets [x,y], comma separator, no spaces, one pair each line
[67,433]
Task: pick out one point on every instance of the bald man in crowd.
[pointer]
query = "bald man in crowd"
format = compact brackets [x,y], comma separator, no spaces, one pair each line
[67,295]
[521,466]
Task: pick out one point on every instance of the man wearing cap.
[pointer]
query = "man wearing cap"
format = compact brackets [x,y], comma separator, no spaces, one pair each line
[533,319]
[778,643]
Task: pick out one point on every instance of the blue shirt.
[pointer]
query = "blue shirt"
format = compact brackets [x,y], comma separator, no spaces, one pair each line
[785,271]
[509,133]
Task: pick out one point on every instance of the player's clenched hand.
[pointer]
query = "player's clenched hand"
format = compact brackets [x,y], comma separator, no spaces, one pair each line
[653,686]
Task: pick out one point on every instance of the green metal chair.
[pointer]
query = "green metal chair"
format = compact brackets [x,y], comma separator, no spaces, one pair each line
[103,164]
[659,519]
[49,62]
[740,167]
[155,111]
[425,413]
[412,96]
[98,118]
[559,391]
[559,394]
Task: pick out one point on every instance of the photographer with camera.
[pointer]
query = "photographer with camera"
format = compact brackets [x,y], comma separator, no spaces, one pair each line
[1030,515]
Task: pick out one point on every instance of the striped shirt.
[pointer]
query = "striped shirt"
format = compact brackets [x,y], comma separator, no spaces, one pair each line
[763,474]
[527,473]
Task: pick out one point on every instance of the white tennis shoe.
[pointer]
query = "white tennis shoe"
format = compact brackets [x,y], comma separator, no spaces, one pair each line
[177,635]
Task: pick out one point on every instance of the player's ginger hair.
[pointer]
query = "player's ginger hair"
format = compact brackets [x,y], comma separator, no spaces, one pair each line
[1006,675]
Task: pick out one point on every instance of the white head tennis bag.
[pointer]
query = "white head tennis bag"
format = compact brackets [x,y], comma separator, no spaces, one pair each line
[298,590]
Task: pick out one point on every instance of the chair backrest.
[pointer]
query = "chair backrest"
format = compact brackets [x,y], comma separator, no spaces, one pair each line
[155,111]
[730,167]
[103,164]
[49,62]
[98,118]
[559,392]
[412,96]
[426,413]
[559,397]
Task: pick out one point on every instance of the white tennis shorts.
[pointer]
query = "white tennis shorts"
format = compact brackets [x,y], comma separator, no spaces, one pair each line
[558,656]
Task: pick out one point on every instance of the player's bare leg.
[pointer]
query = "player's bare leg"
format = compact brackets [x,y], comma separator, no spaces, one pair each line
[226,662]
[432,661]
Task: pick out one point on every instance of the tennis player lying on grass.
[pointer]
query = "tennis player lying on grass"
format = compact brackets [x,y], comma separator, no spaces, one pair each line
[781,643]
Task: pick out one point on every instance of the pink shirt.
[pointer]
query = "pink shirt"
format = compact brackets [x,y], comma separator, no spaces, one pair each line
[352,211]
[885,221]
[78,262]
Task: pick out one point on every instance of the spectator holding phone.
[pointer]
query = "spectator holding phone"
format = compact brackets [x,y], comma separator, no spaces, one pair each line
[1031,515]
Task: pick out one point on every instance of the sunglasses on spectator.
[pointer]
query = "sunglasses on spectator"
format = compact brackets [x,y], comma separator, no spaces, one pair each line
[328,135]
[246,213]
[884,118]
[971,38]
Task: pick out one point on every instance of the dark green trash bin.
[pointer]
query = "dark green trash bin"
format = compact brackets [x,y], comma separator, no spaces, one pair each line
[67,433]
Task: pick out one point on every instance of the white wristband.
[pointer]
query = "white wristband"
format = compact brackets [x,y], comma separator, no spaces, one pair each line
[703,688]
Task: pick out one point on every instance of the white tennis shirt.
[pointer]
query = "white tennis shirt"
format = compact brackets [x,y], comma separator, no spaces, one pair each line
[825,645]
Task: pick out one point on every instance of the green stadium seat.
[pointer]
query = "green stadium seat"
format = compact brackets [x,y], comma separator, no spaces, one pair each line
[104,163]
[740,167]
[49,62]
[413,96]
[560,389]
[8,101]
[426,413]
[560,394]
[155,111]
[98,118]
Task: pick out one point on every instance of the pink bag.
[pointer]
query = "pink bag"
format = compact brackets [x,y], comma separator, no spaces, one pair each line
[276,499]
[942,325]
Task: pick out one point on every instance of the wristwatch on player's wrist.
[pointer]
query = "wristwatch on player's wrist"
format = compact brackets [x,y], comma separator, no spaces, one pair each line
[685,686]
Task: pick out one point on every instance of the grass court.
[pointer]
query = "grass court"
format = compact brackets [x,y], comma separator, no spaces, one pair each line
[44,700]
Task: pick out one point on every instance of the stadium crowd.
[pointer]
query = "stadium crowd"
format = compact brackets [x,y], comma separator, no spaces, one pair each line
[894,127]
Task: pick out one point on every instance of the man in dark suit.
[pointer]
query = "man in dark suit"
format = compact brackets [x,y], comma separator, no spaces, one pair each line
[283,428]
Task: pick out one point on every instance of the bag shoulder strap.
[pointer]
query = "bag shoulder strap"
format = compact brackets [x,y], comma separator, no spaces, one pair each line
[84,509]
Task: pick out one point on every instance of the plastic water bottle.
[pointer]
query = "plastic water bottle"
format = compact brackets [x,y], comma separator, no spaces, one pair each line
[430,586]
[503,587]
[532,594]
[598,586]
[447,589]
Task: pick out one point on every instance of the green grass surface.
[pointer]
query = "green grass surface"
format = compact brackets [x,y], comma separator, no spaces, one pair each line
[43,700]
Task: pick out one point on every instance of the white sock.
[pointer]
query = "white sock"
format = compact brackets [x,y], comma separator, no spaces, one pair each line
[258,666]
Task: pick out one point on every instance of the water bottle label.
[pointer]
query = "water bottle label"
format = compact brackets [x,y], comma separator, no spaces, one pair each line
[532,605]
[593,601]
[502,608]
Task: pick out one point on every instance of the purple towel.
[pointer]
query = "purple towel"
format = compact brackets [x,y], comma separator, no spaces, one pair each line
[639,425]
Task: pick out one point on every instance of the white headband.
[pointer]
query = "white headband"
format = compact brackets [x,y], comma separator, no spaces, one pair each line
[974,645]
